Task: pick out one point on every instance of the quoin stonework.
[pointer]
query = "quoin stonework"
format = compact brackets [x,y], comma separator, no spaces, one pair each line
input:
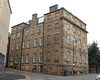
[52,44]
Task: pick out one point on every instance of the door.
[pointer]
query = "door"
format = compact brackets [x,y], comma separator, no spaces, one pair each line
[40,69]
[84,70]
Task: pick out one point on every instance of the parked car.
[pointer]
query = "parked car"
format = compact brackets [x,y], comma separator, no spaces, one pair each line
[98,77]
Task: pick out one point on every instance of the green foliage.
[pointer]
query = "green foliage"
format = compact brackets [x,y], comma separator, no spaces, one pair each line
[94,54]
[9,35]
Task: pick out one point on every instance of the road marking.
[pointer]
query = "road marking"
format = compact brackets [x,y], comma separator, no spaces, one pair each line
[28,78]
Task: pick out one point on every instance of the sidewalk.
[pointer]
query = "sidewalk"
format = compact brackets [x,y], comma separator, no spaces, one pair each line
[25,72]
[34,73]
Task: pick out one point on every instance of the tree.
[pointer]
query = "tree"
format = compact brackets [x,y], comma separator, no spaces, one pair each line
[9,35]
[94,55]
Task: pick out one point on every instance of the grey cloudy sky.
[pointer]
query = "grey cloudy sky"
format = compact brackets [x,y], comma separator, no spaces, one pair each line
[86,10]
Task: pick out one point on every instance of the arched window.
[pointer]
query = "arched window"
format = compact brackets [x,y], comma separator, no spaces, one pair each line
[79,43]
[68,39]
[80,58]
[84,59]
[74,57]
[68,56]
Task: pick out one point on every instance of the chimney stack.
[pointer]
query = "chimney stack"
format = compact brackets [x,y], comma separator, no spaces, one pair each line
[53,8]
[34,16]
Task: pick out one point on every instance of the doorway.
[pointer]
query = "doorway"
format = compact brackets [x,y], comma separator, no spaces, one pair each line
[40,69]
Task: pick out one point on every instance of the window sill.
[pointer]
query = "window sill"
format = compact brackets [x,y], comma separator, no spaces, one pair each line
[34,46]
[27,62]
[34,62]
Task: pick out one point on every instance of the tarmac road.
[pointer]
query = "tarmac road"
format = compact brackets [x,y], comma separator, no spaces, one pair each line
[75,77]
[12,76]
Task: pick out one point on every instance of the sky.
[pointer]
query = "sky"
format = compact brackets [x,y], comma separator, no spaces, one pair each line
[86,10]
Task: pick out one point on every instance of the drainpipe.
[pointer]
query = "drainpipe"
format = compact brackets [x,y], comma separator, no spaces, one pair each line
[43,47]
[21,47]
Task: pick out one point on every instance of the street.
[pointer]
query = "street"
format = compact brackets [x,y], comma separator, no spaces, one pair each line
[12,76]
[49,77]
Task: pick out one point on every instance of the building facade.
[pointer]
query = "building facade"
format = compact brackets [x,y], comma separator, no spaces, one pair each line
[5,12]
[7,54]
[50,44]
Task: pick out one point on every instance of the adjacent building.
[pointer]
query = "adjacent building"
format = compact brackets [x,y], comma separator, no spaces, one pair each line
[5,12]
[52,44]
[7,54]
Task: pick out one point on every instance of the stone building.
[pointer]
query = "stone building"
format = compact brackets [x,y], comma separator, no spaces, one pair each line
[5,12]
[50,44]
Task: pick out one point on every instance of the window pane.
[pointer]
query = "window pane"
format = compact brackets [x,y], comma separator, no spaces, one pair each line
[40,57]
[78,23]
[11,58]
[83,35]
[27,58]
[68,26]
[68,56]
[32,31]
[35,58]
[23,59]
[74,57]
[74,42]
[39,29]
[19,27]
[80,58]
[18,35]
[79,33]
[35,43]
[13,46]
[84,59]
[24,43]
[28,44]
[66,15]
[41,41]
[34,68]
[18,45]
[68,39]
[79,43]
[26,34]
[16,59]
[14,36]
[74,30]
